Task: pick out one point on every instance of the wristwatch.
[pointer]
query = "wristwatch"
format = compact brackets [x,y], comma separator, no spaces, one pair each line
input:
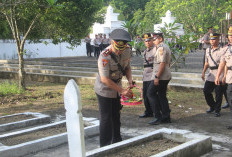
[156,76]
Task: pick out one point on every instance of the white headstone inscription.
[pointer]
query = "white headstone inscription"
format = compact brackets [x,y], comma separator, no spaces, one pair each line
[74,120]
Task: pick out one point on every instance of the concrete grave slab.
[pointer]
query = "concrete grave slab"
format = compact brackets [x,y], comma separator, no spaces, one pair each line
[43,143]
[38,119]
[193,144]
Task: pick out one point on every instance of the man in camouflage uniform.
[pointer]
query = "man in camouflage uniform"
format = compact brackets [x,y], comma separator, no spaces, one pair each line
[212,60]
[113,64]
[147,73]
[161,76]
[226,63]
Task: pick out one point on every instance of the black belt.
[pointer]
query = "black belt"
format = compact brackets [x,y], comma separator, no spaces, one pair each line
[213,68]
[117,81]
[229,68]
[148,65]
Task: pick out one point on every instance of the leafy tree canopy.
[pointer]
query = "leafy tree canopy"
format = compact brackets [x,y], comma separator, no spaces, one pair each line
[196,15]
[129,7]
[60,20]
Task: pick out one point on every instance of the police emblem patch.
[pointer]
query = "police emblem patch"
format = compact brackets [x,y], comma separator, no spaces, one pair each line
[161,51]
[104,62]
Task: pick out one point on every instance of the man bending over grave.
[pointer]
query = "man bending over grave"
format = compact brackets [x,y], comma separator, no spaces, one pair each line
[113,64]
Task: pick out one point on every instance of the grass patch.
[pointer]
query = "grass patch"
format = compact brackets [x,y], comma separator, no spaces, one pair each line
[44,96]
[8,87]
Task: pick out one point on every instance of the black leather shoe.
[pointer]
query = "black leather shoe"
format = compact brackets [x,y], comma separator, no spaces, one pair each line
[166,120]
[226,105]
[217,114]
[210,110]
[145,115]
[155,122]
[229,127]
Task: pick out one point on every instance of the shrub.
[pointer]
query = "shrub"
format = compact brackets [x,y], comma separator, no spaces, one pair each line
[7,88]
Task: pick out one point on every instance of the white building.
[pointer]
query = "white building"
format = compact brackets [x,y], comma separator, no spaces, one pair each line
[8,49]
[111,22]
[169,19]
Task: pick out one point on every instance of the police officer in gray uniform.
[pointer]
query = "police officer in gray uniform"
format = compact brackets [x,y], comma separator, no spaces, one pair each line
[147,73]
[226,62]
[113,64]
[212,60]
[206,41]
[161,76]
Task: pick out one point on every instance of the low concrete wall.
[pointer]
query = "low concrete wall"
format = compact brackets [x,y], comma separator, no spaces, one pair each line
[40,50]
[39,118]
[193,144]
[23,149]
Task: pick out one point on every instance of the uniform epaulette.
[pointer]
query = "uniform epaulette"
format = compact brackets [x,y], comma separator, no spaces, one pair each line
[107,52]
[161,45]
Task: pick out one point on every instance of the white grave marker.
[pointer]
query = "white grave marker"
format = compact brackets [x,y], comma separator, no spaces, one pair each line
[74,119]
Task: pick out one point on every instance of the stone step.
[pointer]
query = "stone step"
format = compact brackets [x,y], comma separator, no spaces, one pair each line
[81,80]
[193,59]
[84,68]
[60,76]
[83,71]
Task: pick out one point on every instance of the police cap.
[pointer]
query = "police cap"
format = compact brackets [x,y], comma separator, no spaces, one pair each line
[156,35]
[147,37]
[230,31]
[214,36]
[120,34]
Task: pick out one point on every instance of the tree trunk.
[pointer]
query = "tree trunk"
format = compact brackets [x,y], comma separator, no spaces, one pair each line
[21,71]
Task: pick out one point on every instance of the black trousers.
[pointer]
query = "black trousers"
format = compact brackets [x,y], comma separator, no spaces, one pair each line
[105,46]
[157,96]
[208,89]
[229,95]
[109,120]
[88,49]
[225,92]
[97,52]
[204,57]
[148,110]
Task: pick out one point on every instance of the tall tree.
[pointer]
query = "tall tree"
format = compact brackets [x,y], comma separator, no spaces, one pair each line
[150,16]
[63,20]
[129,7]
[196,15]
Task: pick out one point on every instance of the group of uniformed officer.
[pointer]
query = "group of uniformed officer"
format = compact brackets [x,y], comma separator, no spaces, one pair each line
[219,76]
[114,63]
[100,43]
[226,67]
[156,76]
